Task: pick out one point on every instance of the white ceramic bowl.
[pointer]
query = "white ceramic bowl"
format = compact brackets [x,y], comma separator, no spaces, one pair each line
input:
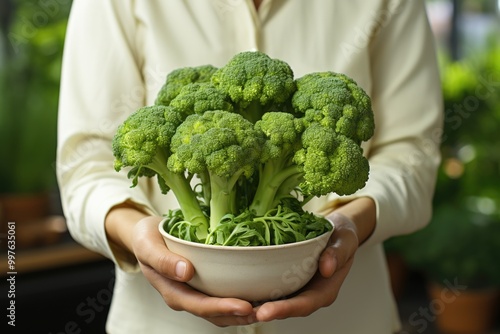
[254,273]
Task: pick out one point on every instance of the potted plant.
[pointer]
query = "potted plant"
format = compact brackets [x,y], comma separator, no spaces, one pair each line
[458,254]
[458,250]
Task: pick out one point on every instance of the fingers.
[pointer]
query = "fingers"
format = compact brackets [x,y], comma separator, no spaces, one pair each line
[151,251]
[334,265]
[343,245]
[320,292]
[328,262]
[299,306]
[167,272]
[220,311]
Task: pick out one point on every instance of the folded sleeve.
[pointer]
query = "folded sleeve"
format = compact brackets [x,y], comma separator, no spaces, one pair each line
[406,96]
[101,84]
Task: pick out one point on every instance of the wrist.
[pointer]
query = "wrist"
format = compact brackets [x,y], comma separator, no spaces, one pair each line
[119,225]
[360,214]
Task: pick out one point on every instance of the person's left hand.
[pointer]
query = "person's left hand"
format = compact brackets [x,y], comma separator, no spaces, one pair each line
[334,265]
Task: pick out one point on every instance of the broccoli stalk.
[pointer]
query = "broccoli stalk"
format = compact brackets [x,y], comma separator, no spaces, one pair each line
[223,199]
[278,175]
[181,187]
[275,183]
[188,201]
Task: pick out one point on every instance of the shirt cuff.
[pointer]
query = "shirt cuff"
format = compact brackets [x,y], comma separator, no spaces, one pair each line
[88,227]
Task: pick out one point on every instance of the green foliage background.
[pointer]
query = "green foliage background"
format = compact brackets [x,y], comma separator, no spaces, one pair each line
[29,86]
[462,240]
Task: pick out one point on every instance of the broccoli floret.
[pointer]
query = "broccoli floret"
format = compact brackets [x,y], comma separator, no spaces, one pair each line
[255,83]
[309,157]
[335,101]
[222,147]
[330,163]
[143,142]
[196,98]
[143,139]
[181,77]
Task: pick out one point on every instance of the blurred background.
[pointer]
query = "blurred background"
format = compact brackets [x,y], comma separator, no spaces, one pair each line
[436,272]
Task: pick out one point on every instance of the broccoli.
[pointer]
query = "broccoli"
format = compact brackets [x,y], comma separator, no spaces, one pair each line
[196,98]
[260,143]
[255,83]
[278,175]
[330,163]
[181,77]
[335,101]
[221,146]
[143,142]
[306,156]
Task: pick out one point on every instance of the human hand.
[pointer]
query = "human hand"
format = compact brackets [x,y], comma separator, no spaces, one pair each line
[167,272]
[334,265]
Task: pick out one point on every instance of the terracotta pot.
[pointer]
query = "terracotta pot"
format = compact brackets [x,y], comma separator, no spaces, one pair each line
[30,213]
[464,311]
[21,208]
[398,273]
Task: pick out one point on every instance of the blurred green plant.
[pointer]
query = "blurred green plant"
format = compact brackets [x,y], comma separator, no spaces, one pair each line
[471,141]
[29,92]
[459,244]
[463,239]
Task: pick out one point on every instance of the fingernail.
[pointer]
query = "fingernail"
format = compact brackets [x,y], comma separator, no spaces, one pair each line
[239,314]
[180,269]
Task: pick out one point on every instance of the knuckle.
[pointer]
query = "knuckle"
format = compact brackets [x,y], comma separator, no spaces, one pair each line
[164,264]
[173,304]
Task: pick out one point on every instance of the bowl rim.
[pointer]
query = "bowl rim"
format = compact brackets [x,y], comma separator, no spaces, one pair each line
[244,248]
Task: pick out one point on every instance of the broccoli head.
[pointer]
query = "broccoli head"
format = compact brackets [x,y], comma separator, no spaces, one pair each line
[144,138]
[330,163]
[306,156]
[278,175]
[282,131]
[181,77]
[336,101]
[196,98]
[255,83]
[224,143]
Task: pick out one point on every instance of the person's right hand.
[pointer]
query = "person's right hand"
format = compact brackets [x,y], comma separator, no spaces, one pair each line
[167,272]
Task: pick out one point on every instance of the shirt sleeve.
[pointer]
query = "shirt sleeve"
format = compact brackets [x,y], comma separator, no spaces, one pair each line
[101,85]
[404,153]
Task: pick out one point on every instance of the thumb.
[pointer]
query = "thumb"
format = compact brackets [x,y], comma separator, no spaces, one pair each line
[328,262]
[150,250]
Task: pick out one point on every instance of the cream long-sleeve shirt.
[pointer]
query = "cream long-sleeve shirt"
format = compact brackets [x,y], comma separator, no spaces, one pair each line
[117,55]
